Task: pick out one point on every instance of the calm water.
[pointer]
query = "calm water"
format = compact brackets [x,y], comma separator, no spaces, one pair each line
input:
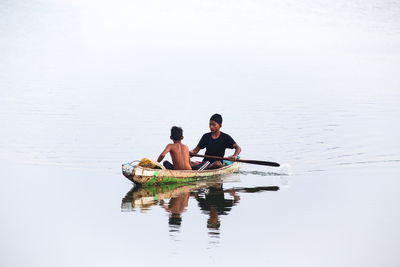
[88,85]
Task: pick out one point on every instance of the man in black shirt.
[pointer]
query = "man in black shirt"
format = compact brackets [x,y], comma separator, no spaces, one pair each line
[215,143]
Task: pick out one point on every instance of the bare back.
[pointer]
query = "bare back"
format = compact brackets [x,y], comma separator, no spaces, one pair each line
[180,156]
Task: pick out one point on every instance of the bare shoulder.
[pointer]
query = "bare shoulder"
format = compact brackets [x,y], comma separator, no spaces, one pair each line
[172,147]
[168,147]
[185,147]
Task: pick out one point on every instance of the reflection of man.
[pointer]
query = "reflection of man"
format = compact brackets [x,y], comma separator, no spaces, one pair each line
[175,207]
[215,204]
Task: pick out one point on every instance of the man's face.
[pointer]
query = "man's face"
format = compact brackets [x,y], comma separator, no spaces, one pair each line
[214,126]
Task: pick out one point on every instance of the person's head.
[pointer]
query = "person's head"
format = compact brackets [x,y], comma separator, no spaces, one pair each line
[176,133]
[215,122]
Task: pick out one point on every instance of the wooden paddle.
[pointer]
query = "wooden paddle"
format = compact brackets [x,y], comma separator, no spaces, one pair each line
[257,162]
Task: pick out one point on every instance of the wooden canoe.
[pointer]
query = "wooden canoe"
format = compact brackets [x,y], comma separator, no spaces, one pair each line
[140,175]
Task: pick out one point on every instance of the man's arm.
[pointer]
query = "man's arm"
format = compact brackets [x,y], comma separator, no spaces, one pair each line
[195,150]
[200,145]
[164,153]
[237,151]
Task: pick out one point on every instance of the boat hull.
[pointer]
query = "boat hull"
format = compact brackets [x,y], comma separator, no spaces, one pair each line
[140,175]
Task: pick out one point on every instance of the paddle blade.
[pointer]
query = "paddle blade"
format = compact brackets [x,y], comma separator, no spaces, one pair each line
[259,162]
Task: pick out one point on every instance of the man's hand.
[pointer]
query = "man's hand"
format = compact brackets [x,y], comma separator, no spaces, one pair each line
[194,151]
[232,157]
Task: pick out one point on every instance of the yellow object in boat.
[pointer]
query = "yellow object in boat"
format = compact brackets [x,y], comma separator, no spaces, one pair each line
[148,163]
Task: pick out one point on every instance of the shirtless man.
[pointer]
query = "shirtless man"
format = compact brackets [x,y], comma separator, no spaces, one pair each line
[179,152]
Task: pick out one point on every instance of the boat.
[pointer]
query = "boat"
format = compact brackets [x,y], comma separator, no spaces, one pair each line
[150,176]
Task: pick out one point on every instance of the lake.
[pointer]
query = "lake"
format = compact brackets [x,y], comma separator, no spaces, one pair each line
[88,85]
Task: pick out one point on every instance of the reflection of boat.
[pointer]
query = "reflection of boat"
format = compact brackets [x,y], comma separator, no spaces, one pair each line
[141,175]
[143,196]
[211,197]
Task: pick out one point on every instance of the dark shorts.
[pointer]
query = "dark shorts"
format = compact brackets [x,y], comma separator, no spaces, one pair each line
[201,166]
[168,165]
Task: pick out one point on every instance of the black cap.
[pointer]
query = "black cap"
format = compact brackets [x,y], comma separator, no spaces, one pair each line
[217,118]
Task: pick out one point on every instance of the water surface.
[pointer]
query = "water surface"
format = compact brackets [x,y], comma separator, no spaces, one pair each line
[88,85]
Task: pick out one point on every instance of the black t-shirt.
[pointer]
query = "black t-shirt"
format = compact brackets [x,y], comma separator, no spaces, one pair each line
[216,147]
